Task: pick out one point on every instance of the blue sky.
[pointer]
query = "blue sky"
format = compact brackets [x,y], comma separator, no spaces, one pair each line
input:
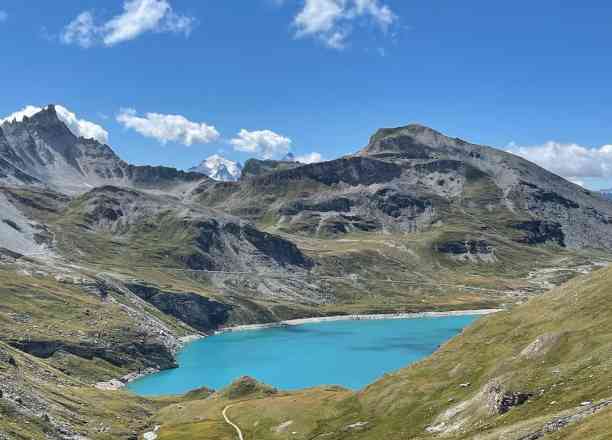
[319,75]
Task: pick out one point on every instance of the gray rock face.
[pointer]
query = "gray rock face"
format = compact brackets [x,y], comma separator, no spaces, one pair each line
[121,355]
[41,150]
[201,313]
[538,231]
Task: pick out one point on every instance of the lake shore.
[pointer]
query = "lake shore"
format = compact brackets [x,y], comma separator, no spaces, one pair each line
[358,317]
[117,384]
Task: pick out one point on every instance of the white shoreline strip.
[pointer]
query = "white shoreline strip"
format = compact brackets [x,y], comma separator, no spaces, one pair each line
[290,322]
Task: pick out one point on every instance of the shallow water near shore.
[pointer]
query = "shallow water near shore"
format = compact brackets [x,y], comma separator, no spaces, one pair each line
[348,353]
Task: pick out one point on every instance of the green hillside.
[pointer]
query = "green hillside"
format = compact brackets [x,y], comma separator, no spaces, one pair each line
[540,370]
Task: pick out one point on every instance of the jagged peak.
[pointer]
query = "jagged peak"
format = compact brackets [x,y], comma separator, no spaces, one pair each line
[46,115]
[54,114]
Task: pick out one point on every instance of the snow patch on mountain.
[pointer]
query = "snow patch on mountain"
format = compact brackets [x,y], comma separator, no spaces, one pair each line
[219,168]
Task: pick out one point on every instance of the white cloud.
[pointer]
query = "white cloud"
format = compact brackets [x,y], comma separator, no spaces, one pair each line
[572,161]
[79,127]
[313,157]
[3,16]
[319,16]
[165,128]
[382,14]
[330,20]
[81,31]
[138,17]
[264,143]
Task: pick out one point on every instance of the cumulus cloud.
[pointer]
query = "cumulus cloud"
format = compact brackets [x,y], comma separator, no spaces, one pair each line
[166,128]
[572,161]
[264,143]
[313,157]
[138,17]
[330,20]
[79,127]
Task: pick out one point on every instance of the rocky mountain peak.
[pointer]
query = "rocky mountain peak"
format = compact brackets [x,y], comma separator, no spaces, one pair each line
[47,114]
[50,146]
[411,138]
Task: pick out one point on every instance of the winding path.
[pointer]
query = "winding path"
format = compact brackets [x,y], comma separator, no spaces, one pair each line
[229,422]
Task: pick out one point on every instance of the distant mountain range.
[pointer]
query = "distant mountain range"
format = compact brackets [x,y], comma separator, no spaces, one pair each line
[219,168]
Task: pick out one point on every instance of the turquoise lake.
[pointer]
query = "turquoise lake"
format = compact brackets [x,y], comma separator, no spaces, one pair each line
[348,353]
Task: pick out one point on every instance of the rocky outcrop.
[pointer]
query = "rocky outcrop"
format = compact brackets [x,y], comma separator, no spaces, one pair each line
[396,204]
[282,252]
[124,354]
[539,231]
[199,312]
[468,250]
[491,400]
[499,400]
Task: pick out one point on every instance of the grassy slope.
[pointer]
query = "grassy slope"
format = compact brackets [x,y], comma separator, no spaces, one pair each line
[573,365]
[38,307]
[46,393]
[577,313]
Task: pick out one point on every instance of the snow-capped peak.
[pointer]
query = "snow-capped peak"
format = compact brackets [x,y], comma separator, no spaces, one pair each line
[219,168]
